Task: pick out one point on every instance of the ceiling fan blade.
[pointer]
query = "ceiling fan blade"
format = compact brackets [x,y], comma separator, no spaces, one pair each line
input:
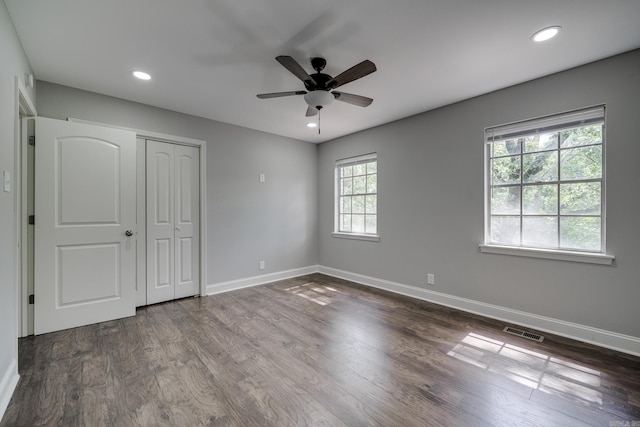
[357,71]
[280,94]
[311,112]
[296,69]
[360,101]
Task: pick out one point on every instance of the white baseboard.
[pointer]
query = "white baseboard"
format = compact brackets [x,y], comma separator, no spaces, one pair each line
[232,285]
[8,385]
[612,340]
[600,337]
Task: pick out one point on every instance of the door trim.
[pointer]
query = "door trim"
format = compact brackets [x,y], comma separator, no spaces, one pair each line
[24,108]
[202,146]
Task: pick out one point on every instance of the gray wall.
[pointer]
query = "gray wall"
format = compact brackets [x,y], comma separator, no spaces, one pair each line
[13,63]
[247,221]
[431,202]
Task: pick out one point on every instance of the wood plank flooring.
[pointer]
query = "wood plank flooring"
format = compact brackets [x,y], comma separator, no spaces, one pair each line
[316,351]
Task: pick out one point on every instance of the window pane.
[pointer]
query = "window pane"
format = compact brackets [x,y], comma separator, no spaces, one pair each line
[356,194]
[371,204]
[360,169]
[540,167]
[581,163]
[580,198]
[506,170]
[505,200]
[345,222]
[372,184]
[345,204]
[540,231]
[346,171]
[545,190]
[540,200]
[505,148]
[346,186]
[580,233]
[360,185]
[371,224]
[357,224]
[541,142]
[505,230]
[581,136]
[357,204]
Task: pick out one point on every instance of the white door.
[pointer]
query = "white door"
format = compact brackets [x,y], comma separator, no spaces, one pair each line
[85,216]
[173,221]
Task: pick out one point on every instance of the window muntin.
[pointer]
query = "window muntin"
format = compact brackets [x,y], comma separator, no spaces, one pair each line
[357,195]
[545,183]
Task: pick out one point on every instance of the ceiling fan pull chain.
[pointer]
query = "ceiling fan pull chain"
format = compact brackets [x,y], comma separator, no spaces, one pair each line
[319,114]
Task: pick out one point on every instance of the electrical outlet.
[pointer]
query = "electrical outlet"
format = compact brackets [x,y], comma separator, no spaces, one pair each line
[431,279]
[261,265]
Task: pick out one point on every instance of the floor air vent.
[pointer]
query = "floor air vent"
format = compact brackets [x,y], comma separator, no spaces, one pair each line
[523,334]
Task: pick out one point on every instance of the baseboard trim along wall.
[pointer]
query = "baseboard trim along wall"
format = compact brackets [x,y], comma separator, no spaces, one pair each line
[217,288]
[8,385]
[612,340]
[607,339]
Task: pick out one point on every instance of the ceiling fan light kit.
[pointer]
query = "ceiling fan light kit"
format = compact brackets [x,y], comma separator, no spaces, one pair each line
[318,99]
[320,87]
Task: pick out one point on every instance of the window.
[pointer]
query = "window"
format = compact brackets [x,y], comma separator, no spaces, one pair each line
[357,197]
[545,183]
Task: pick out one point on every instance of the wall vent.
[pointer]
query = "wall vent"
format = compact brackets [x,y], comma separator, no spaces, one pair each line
[524,334]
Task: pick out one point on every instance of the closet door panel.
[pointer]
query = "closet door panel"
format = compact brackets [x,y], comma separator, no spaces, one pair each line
[160,222]
[187,229]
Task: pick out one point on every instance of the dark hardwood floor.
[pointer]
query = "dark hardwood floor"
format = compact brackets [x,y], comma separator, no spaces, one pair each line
[316,351]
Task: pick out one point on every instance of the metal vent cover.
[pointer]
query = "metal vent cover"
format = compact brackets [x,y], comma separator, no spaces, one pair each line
[524,334]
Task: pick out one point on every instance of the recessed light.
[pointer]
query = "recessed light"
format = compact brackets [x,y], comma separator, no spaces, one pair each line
[546,34]
[312,125]
[141,75]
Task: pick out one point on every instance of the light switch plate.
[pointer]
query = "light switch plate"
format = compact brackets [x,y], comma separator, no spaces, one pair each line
[6,179]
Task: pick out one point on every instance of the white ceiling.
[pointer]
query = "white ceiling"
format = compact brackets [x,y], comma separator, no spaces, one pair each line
[210,58]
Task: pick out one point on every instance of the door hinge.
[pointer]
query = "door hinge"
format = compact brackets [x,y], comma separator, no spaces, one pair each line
[31,299]
[32,219]
[32,140]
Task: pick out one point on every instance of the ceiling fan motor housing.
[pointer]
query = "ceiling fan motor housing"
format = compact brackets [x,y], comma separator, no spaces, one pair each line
[321,80]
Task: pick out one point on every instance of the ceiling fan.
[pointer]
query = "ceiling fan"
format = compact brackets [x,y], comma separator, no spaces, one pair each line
[320,87]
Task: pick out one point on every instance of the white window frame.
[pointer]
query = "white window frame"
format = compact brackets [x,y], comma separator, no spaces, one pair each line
[366,158]
[560,121]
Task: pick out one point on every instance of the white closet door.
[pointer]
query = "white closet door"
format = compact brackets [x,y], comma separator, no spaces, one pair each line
[173,205]
[85,221]
[187,214]
[160,222]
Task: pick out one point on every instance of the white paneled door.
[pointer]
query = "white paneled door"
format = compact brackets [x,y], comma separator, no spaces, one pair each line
[173,221]
[84,224]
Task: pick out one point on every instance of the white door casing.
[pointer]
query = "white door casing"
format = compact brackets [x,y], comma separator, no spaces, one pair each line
[173,221]
[141,235]
[85,190]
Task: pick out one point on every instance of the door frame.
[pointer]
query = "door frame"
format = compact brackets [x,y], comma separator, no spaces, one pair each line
[24,108]
[179,140]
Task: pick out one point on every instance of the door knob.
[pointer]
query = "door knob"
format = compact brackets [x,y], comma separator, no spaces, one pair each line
[128,233]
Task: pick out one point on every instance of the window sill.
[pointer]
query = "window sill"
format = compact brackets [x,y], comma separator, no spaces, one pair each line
[585,257]
[353,236]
